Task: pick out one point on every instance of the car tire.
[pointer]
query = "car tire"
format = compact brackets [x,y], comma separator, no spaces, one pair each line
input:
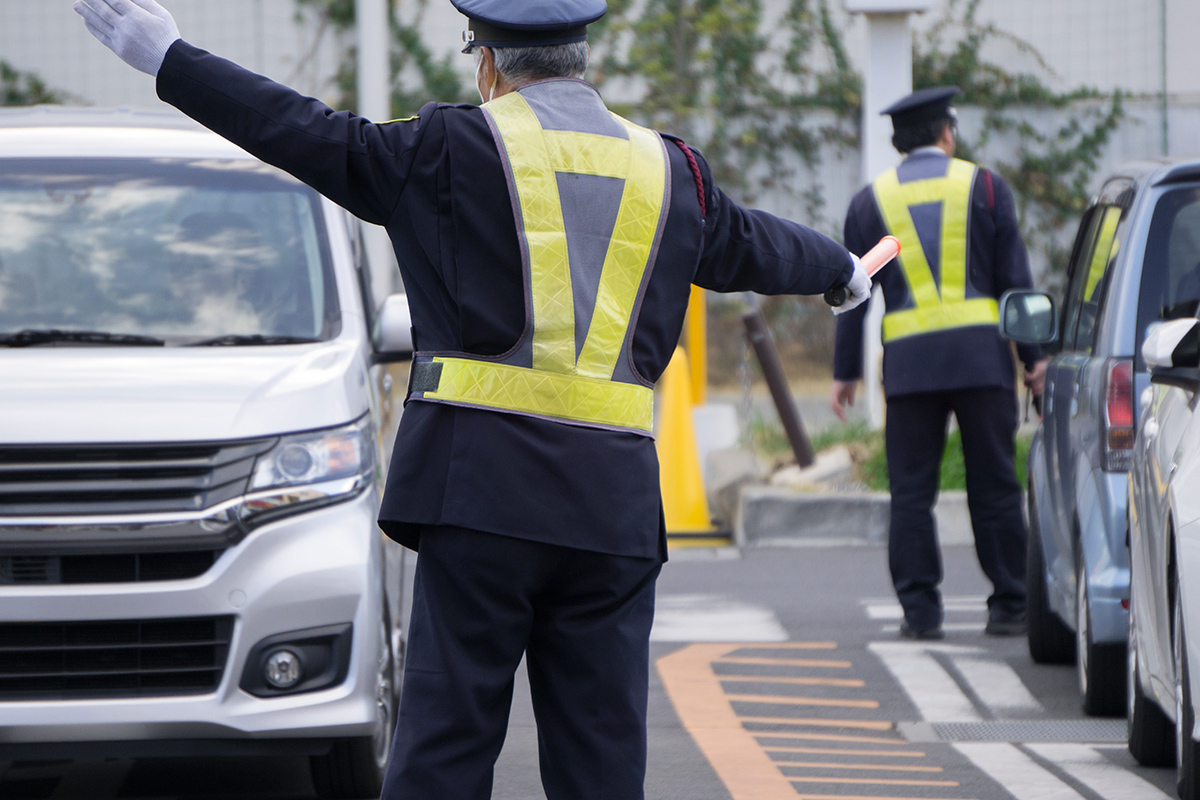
[1101,667]
[1050,640]
[1187,751]
[354,768]
[1151,734]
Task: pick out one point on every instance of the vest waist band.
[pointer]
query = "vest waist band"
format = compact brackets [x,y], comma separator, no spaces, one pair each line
[538,393]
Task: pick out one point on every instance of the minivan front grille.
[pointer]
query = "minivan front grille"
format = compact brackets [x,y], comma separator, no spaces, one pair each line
[136,658]
[105,568]
[91,480]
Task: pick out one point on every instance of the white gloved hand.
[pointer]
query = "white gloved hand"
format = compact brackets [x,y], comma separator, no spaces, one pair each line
[858,289]
[139,31]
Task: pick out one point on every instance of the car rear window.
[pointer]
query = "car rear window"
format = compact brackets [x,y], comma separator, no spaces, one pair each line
[1171,269]
[183,251]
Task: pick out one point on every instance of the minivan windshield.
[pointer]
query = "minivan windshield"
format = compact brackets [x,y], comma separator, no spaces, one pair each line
[161,251]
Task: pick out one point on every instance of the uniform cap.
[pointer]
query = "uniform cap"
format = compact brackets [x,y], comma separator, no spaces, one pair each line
[527,23]
[923,105]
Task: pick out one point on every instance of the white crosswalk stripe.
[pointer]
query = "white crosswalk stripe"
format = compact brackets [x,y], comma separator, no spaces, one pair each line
[936,693]
[713,618]
[1088,766]
[932,690]
[997,684]
[1019,774]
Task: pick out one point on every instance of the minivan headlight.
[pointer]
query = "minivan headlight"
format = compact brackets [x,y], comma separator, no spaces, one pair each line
[310,469]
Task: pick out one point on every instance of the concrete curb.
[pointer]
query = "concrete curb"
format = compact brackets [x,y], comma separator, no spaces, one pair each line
[770,516]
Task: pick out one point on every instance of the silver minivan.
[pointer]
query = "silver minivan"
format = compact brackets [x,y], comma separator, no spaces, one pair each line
[194,407]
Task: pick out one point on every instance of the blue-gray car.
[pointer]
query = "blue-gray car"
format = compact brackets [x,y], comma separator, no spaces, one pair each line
[1078,561]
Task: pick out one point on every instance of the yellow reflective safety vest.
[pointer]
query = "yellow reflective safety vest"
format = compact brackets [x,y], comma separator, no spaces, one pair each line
[937,305]
[574,362]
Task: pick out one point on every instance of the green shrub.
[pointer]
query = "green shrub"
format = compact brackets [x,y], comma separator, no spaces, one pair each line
[873,471]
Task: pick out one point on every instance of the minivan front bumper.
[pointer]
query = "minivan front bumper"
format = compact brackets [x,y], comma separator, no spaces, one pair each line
[323,568]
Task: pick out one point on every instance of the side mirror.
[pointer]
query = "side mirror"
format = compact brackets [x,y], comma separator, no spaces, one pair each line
[392,337]
[1028,317]
[1172,352]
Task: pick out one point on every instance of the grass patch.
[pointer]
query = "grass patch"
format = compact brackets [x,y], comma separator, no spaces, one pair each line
[866,448]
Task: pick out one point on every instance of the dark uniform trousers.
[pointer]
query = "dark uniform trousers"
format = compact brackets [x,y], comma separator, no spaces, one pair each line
[582,619]
[916,440]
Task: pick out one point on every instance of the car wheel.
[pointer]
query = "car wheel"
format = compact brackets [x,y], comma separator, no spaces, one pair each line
[1101,667]
[1187,752]
[354,768]
[1050,641]
[1151,737]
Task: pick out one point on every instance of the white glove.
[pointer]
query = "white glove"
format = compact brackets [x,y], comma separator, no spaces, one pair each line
[858,289]
[139,31]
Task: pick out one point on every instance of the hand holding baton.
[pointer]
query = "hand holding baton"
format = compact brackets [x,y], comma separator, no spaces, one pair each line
[887,249]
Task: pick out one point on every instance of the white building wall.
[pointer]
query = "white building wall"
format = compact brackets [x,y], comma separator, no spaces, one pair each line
[48,38]
[1105,44]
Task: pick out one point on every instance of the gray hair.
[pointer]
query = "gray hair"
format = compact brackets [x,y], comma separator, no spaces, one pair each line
[522,65]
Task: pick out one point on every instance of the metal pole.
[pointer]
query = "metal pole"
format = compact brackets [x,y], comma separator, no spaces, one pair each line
[374,33]
[768,359]
[374,97]
[1166,138]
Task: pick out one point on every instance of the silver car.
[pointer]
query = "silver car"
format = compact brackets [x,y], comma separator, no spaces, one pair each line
[1077,576]
[193,411]
[1164,524]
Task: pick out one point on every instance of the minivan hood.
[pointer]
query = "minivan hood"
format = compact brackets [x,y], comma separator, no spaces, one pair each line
[66,395]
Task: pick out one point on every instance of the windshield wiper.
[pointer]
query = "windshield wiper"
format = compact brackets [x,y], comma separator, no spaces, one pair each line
[32,337]
[245,340]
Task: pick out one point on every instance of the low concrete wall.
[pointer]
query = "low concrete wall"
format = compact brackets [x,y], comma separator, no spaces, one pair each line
[771,516]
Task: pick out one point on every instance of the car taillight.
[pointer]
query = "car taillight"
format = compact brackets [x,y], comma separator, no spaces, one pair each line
[1117,429]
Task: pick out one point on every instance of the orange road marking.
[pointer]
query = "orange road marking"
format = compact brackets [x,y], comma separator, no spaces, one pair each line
[875,781]
[884,767]
[850,683]
[783,662]
[746,770]
[835,751]
[866,724]
[800,701]
[828,737]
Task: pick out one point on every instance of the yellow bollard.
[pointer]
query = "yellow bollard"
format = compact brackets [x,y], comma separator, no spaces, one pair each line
[685,503]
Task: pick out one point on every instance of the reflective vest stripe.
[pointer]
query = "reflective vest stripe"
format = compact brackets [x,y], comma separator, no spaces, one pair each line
[588,153]
[560,386]
[944,306]
[545,394]
[545,232]
[913,321]
[629,251]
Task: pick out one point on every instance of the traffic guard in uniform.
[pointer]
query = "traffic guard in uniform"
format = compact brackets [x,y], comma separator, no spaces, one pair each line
[960,250]
[548,248]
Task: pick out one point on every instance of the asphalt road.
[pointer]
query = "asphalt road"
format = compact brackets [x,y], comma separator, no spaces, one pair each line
[778,674]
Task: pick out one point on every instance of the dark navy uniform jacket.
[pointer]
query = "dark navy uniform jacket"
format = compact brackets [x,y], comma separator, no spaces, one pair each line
[436,183]
[960,358]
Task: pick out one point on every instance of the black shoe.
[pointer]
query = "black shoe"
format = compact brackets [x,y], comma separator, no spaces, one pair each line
[927,634]
[1006,625]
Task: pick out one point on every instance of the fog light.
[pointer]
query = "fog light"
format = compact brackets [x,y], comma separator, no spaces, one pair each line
[282,669]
